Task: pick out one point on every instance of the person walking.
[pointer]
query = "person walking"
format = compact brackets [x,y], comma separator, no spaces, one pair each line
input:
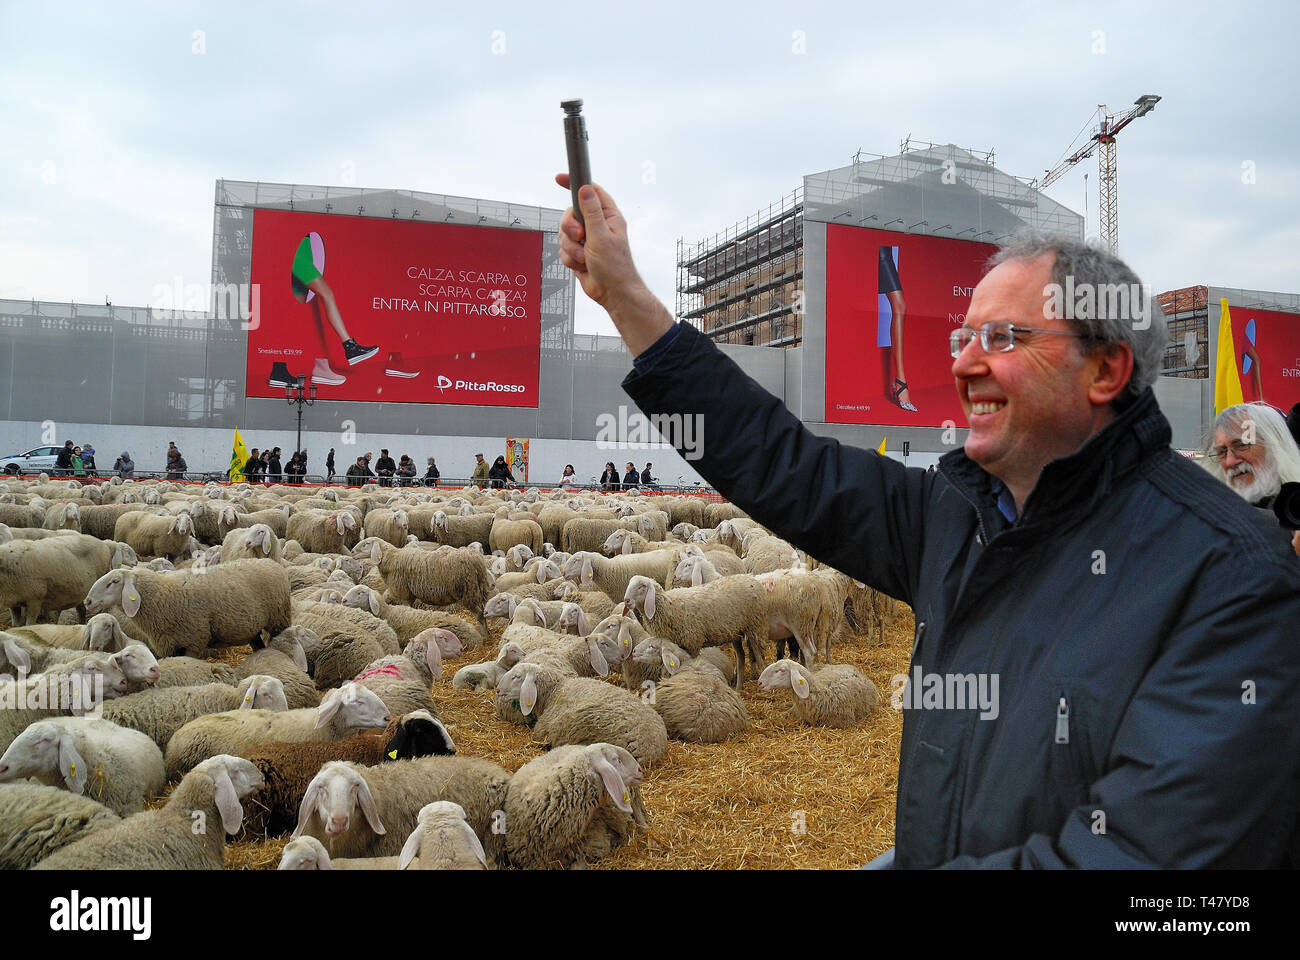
[431,475]
[329,466]
[481,470]
[500,474]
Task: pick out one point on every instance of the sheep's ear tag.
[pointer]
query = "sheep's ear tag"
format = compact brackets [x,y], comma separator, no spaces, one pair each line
[247,698]
[392,754]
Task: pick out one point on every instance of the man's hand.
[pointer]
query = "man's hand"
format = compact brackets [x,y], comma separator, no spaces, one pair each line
[1295,543]
[603,264]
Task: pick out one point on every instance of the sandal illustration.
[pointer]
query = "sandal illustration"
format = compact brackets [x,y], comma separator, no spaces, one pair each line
[896,391]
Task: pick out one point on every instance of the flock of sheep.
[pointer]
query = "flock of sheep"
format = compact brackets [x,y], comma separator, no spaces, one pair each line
[620,611]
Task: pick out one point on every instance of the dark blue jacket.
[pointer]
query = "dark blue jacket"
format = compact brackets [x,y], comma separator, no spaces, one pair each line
[1142,621]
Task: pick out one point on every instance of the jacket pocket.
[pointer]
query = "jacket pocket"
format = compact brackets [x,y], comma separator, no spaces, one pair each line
[1069,766]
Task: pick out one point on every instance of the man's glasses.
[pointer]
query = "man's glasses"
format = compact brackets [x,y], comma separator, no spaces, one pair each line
[1238,447]
[998,336]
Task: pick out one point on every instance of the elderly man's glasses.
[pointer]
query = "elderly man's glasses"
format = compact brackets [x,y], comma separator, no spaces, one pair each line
[1238,447]
[998,336]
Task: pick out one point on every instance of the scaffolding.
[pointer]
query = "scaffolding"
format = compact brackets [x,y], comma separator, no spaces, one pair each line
[1187,352]
[743,285]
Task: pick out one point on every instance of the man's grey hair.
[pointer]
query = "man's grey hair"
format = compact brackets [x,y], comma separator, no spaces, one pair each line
[1136,320]
[1256,423]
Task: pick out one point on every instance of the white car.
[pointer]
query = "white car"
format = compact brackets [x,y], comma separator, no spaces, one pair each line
[33,461]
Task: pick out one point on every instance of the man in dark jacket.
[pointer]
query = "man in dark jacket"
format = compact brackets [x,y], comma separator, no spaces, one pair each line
[253,467]
[631,478]
[329,466]
[385,468]
[63,460]
[646,479]
[275,471]
[358,472]
[1132,620]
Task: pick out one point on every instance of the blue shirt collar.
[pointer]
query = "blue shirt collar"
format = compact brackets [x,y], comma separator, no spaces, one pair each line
[1006,503]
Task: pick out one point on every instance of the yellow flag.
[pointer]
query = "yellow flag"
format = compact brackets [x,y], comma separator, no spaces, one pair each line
[881,449]
[1227,385]
[238,457]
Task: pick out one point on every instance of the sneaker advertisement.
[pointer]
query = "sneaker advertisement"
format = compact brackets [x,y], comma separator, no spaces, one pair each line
[397,311]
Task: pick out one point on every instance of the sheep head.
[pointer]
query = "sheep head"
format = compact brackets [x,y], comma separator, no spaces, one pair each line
[785,673]
[333,796]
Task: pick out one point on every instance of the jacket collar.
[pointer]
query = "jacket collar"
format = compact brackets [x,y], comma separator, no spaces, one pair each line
[1083,478]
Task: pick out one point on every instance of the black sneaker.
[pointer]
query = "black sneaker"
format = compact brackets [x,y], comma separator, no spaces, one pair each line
[356,353]
[281,377]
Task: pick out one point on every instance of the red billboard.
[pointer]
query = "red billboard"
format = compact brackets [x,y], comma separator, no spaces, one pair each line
[397,311]
[892,299]
[1268,355]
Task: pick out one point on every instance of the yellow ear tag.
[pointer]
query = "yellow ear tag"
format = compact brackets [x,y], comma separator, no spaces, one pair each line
[801,679]
[72,770]
[248,699]
[672,663]
[392,754]
[133,596]
[626,797]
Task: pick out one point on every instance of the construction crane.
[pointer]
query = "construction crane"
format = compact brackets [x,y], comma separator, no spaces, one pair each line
[1103,134]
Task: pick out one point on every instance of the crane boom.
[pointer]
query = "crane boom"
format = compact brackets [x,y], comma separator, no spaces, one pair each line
[1103,136]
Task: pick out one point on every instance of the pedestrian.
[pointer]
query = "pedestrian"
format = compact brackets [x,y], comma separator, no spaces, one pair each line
[406,471]
[274,471]
[88,458]
[646,479]
[385,469]
[264,467]
[431,475]
[124,466]
[78,465]
[294,469]
[631,478]
[252,467]
[481,471]
[176,465]
[329,466]
[1124,599]
[358,472]
[63,461]
[609,479]
[302,460]
[568,479]
[500,473]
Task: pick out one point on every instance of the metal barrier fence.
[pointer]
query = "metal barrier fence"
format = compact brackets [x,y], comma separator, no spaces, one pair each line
[316,480]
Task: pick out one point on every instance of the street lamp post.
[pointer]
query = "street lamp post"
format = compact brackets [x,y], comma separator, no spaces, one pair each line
[301,395]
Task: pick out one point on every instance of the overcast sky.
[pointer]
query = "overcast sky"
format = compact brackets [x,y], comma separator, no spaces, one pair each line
[118,118]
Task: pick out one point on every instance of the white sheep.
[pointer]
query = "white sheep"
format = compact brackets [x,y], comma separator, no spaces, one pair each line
[36,820]
[731,610]
[308,853]
[581,710]
[342,712]
[477,676]
[572,806]
[250,543]
[46,576]
[113,765]
[358,811]
[228,605]
[155,536]
[186,833]
[158,714]
[443,840]
[824,695]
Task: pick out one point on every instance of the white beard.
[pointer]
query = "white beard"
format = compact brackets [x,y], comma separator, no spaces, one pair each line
[1256,483]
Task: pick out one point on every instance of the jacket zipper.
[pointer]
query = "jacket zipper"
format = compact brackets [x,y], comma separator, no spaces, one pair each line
[916,644]
[1062,721]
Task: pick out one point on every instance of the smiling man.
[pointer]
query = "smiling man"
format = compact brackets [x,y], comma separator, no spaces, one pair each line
[1139,617]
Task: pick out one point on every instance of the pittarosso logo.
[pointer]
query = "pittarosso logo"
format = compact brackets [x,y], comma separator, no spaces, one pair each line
[472,386]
